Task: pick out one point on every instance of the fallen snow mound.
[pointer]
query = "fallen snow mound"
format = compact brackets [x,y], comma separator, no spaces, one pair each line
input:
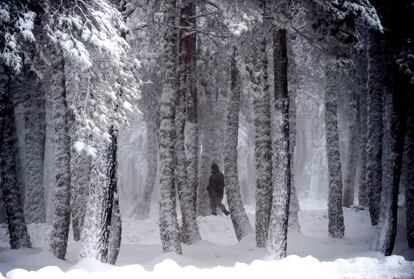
[310,267]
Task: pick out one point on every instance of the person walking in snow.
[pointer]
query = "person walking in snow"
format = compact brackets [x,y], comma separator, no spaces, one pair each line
[215,190]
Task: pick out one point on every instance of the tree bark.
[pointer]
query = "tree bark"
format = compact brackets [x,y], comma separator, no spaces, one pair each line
[294,206]
[115,234]
[375,86]
[408,183]
[351,160]
[335,214]
[99,211]
[394,129]
[276,245]
[263,141]
[187,132]
[61,215]
[80,166]
[237,212]
[362,128]
[34,141]
[169,232]
[9,186]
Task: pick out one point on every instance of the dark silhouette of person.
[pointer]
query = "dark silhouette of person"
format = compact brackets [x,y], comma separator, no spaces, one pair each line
[215,190]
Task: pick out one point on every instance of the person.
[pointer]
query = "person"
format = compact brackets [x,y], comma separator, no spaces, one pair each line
[215,190]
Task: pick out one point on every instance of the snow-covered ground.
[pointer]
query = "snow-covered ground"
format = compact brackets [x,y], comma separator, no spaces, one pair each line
[312,254]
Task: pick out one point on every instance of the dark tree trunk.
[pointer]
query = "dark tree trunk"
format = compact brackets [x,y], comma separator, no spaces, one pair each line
[408,182]
[351,160]
[9,186]
[113,224]
[362,128]
[116,230]
[187,132]
[263,147]
[394,81]
[34,141]
[375,86]
[108,202]
[278,226]
[394,129]
[61,215]
[335,214]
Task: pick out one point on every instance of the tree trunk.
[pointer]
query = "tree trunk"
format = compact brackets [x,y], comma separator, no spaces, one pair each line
[187,132]
[278,227]
[80,167]
[394,129]
[81,171]
[168,216]
[103,184]
[11,190]
[115,234]
[61,215]
[34,141]
[362,128]
[408,183]
[294,206]
[335,214]
[238,214]
[375,86]
[351,160]
[263,142]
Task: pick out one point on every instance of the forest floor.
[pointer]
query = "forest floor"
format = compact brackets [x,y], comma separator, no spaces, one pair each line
[312,254]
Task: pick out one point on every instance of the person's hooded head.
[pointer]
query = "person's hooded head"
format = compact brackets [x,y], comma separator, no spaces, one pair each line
[214,168]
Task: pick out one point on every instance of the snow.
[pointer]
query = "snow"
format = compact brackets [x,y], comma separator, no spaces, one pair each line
[311,254]
[25,25]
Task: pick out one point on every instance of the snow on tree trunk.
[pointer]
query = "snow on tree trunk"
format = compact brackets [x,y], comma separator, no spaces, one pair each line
[188,234]
[237,212]
[80,164]
[276,244]
[61,213]
[34,141]
[80,167]
[103,184]
[375,85]
[49,168]
[408,183]
[362,130]
[144,201]
[11,195]
[187,132]
[168,223]
[115,233]
[361,72]
[80,161]
[257,69]
[351,160]
[394,128]
[332,87]
[292,91]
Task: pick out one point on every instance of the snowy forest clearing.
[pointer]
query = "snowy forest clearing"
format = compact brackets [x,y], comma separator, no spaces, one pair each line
[311,254]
